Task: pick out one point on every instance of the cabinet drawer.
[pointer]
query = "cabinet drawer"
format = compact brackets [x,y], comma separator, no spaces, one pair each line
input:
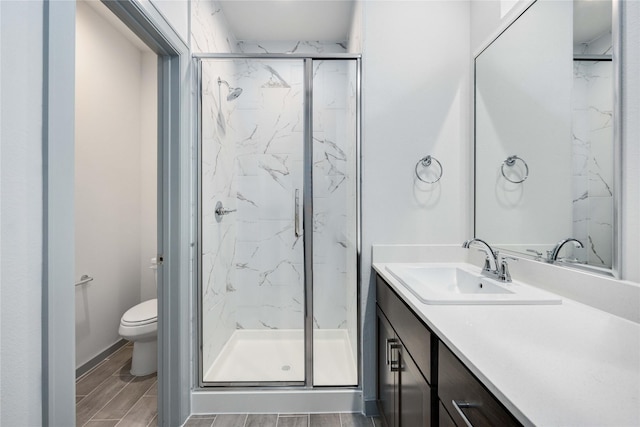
[464,396]
[413,334]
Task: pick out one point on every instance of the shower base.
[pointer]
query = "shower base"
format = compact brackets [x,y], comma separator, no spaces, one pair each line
[278,355]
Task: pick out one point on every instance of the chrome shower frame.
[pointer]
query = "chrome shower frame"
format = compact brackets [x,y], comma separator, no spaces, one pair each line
[307,384]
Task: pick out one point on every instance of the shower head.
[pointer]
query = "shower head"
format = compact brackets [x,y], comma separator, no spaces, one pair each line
[234,92]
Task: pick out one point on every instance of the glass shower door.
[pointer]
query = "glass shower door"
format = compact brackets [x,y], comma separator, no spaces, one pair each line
[252,256]
[335,295]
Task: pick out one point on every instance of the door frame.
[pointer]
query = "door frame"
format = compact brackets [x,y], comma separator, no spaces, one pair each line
[174,212]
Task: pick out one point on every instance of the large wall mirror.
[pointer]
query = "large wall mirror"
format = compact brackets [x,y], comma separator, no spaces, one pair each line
[546,149]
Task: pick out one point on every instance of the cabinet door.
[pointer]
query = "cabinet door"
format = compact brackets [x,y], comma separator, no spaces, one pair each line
[415,394]
[466,399]
[444,419]
[387,371]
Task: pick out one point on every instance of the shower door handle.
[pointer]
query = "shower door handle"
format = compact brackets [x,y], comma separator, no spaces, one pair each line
[296,224]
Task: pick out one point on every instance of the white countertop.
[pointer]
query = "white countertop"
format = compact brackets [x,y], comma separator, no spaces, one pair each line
[550,365]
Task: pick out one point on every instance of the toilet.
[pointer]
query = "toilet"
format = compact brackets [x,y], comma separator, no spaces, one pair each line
[139,324]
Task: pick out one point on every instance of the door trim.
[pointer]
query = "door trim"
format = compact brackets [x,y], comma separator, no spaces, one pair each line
[174,224]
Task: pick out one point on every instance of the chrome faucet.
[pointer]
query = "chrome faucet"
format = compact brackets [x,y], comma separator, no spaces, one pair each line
[556,250]
[491,262]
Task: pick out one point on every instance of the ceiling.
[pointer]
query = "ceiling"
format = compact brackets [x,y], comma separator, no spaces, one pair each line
[288,20]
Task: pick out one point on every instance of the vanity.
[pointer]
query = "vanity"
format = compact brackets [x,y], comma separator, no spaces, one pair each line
[421,382]
[550,362]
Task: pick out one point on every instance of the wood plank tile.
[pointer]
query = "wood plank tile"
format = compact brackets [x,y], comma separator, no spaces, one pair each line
[99,397]
[110,366]
[377,422]
[355,420]
[141,414]
[101,423]
[153,390]
[200,421]
[125,399]
[230,420]
[324,420]
[262,420]
[293,421]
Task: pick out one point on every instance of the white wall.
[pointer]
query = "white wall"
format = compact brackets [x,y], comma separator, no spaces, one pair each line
[489,18]
[148,174]
[416,78]
[631,142]
[21,213]
[354,43]
[110,172]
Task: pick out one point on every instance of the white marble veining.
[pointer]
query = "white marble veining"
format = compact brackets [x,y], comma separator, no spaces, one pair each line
[593,154]
[566,364]
[311,47]
[252,161]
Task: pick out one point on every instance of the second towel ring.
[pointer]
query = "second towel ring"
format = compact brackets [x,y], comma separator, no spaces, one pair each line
[511,161]
[426,162]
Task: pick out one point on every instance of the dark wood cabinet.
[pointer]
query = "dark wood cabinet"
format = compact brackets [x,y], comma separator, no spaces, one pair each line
[420,381]
[388,380]
[404,393]
[466,400]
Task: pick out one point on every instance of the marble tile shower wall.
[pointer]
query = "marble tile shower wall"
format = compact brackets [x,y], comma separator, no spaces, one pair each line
[268,125]
[252,267]
[209,33]
[218,238]
[268,137]
[593,153]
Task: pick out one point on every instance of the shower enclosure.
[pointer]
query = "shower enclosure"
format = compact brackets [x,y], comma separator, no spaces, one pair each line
[278,203]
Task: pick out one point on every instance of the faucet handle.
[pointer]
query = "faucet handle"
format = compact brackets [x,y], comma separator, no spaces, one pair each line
[505,275]
[538,253]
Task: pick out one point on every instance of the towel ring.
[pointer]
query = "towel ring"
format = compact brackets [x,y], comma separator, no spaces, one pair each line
[426,161]
[510,162]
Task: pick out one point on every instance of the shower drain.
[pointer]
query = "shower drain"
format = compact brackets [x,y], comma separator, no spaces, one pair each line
[286,367]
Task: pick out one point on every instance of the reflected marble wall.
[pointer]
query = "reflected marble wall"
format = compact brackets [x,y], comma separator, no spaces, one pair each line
[593,153]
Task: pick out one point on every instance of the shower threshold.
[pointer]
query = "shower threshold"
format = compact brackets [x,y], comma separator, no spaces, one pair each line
[277,355]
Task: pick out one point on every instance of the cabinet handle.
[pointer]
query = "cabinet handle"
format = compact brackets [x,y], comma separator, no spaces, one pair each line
[388,349]
[395,364]
[459,407]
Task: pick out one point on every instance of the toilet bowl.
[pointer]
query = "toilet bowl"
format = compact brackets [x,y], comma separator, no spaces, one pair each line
[140,325]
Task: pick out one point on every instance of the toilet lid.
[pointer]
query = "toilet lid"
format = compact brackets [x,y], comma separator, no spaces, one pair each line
[142,314]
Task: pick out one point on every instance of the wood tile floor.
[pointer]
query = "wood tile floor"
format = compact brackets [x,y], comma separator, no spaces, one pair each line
[108,395]
[283,420]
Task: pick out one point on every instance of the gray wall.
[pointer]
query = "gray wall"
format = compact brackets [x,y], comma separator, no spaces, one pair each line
[21,212]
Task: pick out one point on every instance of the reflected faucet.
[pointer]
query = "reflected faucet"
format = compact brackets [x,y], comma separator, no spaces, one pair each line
[556,250]
[491,262]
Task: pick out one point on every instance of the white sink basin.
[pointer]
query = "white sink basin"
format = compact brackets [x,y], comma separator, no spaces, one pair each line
[457,284]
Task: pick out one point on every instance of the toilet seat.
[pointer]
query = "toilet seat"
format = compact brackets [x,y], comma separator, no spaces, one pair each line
[142,314]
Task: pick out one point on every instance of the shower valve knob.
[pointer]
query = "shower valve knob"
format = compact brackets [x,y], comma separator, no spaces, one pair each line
[221,211]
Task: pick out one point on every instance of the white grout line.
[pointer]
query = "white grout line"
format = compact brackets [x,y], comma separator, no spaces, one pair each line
[155,418]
